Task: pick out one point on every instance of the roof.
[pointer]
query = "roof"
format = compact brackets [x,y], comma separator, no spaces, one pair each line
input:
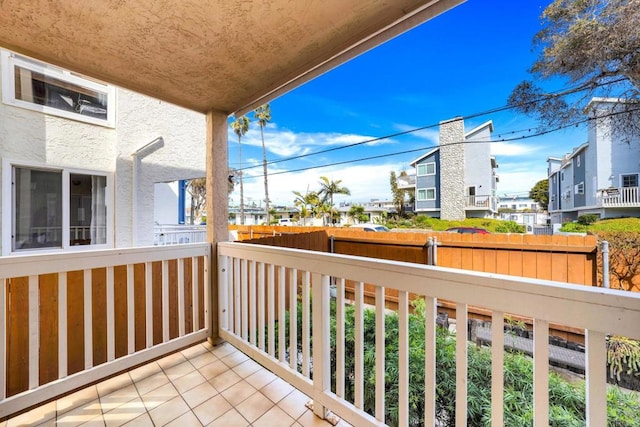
[424,156]
[218,55]
[477,129]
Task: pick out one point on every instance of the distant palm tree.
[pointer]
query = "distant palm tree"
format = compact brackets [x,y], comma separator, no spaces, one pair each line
[240,127]
[263,115]
[307,203]
[329,188]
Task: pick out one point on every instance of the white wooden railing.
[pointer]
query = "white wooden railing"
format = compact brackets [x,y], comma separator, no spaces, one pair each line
[138,278]
[619,197]
[480,202]
[178,234]
[257,284]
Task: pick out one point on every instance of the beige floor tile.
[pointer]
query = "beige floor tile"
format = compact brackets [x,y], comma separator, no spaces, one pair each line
[159,396]
[76,399]
[113,384]
[188,381]
[151,383]
[274,417]
[246,368]
[93,422]
[223,350]
[212,409]
[261,378]
[231,418]
[36,416]
[171,360]
[202,360]
[193,351]
[48,423]
[276,390]
[119,398]
[168,411]
[309,419]
[81,414]
[294,404]
[234,359]
[225,380]
[179,370]
[199,394]
[188,419]
[238,392]
[254,406]
[144,371]
[142,421]
[214,369]
[125,413]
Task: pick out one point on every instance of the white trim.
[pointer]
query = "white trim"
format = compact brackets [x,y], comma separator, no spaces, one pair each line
[11,60]
[621,178]
[426,196]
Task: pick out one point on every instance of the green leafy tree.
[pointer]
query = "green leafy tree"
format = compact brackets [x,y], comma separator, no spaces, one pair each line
[240,127]
[307,204]
[327,190]
[197,189]
[540,193]
[262,115]
[356,212]
[594,45]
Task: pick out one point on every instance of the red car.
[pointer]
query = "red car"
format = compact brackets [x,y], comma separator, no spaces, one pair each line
[467,230]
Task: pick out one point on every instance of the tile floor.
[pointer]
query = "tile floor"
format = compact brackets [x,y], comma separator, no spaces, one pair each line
[199,386]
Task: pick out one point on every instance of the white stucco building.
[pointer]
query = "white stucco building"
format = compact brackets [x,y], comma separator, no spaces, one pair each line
[80,158]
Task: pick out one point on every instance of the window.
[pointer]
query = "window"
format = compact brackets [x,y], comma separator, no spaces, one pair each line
[55,208]
[41,87]
[426,194]
[629,180]
[578,160]
[579,189]
[561,175]
[427,168]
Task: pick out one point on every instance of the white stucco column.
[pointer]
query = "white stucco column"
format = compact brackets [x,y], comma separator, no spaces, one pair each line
[452,197]
[217,204]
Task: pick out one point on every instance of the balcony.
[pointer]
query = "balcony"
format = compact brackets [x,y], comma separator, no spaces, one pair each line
[178,234]
[480,202]
[622,197]
[75,320]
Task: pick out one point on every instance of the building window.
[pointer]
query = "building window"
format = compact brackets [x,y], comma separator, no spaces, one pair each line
[426,194]
[37,86]
[579,188]
[561,175]
[427,169]
[56,208]
[629,180]
[578,160]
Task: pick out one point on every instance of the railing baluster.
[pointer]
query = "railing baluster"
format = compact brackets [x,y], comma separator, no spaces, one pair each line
[252,303]
[261,308]
[111,335]
[236,295]
[195,298]
[403,358]
[282,324]
[596,369]
[3,338]
[271,310]
[380,353]
[340,373]
[541,372]
[306,350]
[359,346]
[206,274]
[181,300]
[461,365]
[497,368]
[244,299]
[131,311]
[293,319]
[430,361]
[321,338]
[62,324]
[223,292]
[165,300]
[88,320]
[148,298]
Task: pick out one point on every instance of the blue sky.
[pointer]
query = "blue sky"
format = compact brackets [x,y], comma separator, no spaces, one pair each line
[461,63]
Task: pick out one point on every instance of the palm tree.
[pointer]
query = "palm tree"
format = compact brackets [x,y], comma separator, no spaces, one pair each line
[263,115]
[307,203]
[329,188]
[240,126]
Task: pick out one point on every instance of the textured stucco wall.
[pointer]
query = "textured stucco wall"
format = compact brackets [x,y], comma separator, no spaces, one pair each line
[452,169]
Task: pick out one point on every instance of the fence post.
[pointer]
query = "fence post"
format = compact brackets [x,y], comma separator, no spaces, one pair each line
[434,261]
[605,264]
[430,251]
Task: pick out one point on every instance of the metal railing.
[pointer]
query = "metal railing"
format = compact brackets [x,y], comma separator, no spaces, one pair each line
[67,320]
[259,285]
[179,234]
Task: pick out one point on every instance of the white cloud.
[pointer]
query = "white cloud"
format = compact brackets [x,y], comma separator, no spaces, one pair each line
[501,148]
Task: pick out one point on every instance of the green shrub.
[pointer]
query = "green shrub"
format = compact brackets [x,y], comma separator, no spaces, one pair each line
[509,227]
[573,227]
[587,219]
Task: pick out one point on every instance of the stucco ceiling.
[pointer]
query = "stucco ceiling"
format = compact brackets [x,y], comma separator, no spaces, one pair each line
[223,55]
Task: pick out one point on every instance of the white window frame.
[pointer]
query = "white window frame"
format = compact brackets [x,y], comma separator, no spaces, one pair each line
[426,167]
[426,194]
[7,207]
[579,188]
[623,175]
[11,60]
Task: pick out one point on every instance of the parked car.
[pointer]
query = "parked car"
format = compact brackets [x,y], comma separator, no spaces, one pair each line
[370,227]
[286,221]
[467,230]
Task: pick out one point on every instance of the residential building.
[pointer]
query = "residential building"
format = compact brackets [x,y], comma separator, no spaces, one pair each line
[601,176]
[84,156]
[522,210]
[458,179]
[376,211]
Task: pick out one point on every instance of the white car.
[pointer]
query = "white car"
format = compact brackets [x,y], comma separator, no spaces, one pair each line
[377,228]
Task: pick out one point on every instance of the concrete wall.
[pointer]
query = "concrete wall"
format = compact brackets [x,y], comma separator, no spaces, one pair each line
[452,161]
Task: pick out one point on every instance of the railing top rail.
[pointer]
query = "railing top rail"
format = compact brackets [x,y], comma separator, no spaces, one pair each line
[35,264]
[578,306]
